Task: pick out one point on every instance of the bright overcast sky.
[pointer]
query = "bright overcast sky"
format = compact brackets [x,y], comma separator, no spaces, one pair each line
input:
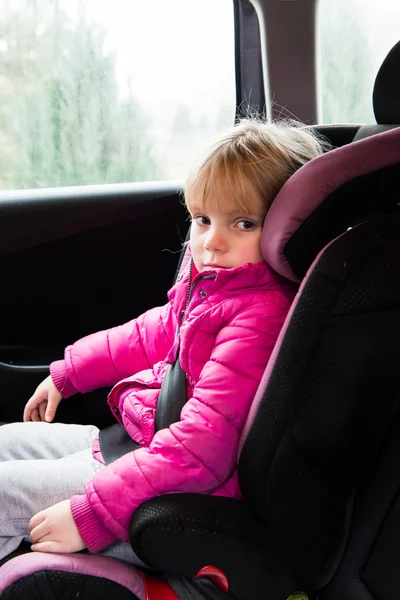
[180,51]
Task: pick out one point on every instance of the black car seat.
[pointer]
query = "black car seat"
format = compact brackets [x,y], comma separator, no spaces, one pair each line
[369,569]
[329,397]
[319,426]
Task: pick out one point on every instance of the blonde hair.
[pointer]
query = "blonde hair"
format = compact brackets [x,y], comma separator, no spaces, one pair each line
[262,154]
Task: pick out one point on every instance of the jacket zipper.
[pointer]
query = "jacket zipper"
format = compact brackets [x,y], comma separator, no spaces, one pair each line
[190,287]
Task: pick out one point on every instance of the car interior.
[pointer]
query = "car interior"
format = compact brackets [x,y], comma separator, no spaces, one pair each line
[318,457]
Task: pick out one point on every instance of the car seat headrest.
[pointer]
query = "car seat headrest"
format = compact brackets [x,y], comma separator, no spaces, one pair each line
[386,94]
[328,195]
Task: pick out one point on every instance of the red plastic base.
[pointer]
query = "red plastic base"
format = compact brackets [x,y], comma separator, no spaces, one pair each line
[157,588]
[217,576]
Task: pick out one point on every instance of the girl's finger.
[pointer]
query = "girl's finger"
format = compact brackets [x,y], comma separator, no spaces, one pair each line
[35,415]
[39,533]
[50,411]
[46,547]
[42,411]
[28,410]
[35,521]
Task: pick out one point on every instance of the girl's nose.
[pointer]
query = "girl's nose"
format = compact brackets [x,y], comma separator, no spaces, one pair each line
[215,241]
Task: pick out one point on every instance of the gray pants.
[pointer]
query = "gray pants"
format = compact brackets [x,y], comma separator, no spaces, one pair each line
[42,464]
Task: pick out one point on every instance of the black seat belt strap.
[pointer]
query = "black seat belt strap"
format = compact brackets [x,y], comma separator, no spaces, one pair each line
[114,440]
[172,397]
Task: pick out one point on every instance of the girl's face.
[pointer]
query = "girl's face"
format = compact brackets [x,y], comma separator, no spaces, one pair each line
[223,235]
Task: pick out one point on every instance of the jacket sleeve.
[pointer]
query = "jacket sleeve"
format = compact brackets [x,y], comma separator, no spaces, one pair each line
[198,453]
[104,358]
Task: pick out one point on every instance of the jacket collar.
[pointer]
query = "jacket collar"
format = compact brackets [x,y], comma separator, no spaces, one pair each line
[257,276]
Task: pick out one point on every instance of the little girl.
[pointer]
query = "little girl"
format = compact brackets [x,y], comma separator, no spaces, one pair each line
[229,307]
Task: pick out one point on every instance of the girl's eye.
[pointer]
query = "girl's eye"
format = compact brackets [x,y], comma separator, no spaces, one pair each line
[202,220]
[246,225]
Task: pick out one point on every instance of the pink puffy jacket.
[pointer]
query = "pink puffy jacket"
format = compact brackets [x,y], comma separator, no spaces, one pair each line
[228,327]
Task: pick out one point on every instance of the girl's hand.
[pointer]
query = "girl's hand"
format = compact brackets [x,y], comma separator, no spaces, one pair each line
[54,530]
[42,406]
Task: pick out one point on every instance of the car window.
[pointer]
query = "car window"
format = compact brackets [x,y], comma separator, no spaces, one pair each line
[101,91]
[354,36]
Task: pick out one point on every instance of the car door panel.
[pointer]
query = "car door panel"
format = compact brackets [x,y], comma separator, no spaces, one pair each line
[74,261]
